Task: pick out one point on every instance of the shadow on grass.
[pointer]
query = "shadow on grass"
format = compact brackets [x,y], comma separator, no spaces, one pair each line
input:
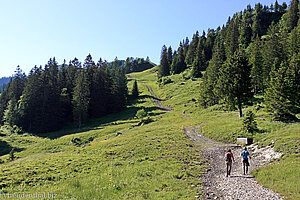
[98,123]
[5,148]
[150,97]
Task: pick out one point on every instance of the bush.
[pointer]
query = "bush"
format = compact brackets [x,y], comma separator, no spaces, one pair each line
[141,114]
[249,123]
[166,80]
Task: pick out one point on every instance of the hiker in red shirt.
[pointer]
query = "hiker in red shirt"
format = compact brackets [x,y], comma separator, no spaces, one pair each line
[229,158]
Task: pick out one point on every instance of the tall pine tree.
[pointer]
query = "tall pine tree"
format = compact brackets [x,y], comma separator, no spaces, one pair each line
[282,96]
[234,83]
[164,68]
[81,98]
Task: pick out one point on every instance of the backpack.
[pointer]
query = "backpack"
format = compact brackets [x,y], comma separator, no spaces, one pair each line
[228,157]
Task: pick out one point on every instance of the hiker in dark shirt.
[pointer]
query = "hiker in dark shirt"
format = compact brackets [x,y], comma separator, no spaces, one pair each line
[245,154]
[229,158]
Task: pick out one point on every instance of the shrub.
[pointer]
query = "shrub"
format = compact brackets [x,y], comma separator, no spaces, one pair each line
[166,80]
[141,114]
[249,123]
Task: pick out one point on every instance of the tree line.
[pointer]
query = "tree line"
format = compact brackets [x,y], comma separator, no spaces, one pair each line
[54,95]
[137,64]
[255,52]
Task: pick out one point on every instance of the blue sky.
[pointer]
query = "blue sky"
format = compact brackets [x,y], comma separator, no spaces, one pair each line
[32,31]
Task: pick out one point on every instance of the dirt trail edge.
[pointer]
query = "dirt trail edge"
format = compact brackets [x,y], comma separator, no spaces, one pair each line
[216,185]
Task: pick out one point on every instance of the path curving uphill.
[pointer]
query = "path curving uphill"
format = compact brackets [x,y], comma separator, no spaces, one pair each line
[154,99]
[216,185]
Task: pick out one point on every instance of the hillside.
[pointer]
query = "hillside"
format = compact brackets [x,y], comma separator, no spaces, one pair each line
[74,131]
[114,158]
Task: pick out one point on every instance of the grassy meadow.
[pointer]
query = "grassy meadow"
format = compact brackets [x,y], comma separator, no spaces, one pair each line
[115,158]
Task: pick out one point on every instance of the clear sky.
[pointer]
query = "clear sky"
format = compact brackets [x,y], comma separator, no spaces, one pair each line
[32,31]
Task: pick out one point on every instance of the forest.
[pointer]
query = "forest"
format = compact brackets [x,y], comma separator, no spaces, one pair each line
[255,53]
[50,97]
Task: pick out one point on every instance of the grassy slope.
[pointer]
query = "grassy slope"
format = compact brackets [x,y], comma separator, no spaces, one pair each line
[282,176]
[155,161]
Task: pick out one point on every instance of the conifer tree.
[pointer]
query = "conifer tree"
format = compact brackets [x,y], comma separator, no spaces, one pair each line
[209,93]
[119,90]
[256,26]
[234,82]
[209,44]
[148,59]
[51,107]
[186,45]
[232,36]
[292,15]
[276,6]
[273,52]
[198,65]
[81,98]
[246,31]
[170,56]
[11,115]
[30,114]
[256,61]
[191,53]
[135,90]
[178,64]
[164,69]
[282,95]
[11,96]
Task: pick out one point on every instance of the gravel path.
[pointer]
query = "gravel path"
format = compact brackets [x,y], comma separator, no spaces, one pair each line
[244,187]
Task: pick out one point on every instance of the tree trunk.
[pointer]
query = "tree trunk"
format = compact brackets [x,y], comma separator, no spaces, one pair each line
[240,107]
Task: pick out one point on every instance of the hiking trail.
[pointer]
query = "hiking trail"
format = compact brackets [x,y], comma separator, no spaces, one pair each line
[154,99]
[237,186]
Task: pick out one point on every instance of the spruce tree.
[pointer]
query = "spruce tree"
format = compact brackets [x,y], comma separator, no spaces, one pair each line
[234,83]
[209,93]
[232,36]
[292,15]
[246,31]
[11,96]
[170,56]
[273,53]
[256,26]
[209,44]
[135,90]
[178,64]
[198,65]
[282,96]
[186,44]
[276,6]
[164,68]
[256,62]
[191,53]
[81,98]
[30,114]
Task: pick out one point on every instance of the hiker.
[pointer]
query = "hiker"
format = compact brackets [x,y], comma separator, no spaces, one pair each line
[229,158]
[245,154]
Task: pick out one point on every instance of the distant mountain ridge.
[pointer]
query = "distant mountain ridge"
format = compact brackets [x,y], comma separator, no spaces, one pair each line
[3,82]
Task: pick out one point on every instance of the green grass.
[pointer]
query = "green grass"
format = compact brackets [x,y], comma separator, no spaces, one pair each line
[224,126]
[283,176]
[153,161]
